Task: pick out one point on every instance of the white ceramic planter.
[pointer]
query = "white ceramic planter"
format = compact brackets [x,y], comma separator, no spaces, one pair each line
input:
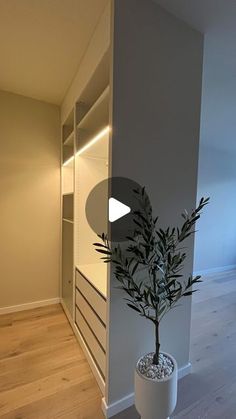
[156,399]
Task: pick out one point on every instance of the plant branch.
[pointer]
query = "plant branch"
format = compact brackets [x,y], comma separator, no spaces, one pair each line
[158,252]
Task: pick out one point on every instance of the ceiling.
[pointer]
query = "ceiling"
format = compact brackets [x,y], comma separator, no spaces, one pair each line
[217,20]
[42,43]
[204,15]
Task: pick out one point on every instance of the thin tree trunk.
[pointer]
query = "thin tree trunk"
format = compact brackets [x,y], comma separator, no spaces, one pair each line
[157,351]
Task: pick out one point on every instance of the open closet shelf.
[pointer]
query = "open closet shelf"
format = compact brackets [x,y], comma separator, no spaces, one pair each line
[98,150]
[97,116]
[93,90]
[67,220]
[85,163]
[68,155]
[68,128]
[69,141]
[67,208]
[96,274]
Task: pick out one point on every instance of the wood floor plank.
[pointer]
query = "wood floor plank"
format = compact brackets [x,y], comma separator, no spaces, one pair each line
[217,404]
[209,392]
[24,337]
[81,401]
[36,390]
[44,374]
[44,362]
[43,371]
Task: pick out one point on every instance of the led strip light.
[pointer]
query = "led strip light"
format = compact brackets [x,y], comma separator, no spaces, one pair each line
[68,161]
[97,137]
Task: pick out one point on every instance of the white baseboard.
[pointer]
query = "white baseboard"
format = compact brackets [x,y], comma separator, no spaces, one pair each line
[128,401]
[29,306]
[185,370]
[215,270]
[118,406]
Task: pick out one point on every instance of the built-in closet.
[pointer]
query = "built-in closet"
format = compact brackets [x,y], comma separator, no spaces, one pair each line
[85,163]
[133,110]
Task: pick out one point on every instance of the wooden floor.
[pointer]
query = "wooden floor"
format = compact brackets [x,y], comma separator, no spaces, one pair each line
[210,391]
[43,372]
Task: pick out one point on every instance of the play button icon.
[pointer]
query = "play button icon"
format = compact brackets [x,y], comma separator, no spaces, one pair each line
[117,210]
[110,208]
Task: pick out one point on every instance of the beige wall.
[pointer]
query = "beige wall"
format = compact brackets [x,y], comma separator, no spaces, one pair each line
[29,200]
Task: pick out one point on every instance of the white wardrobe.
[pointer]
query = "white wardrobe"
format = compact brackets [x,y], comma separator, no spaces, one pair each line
[132,110]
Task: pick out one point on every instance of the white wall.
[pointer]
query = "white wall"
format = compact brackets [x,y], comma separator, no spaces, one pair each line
[29,200]
[215,246]
[156,117]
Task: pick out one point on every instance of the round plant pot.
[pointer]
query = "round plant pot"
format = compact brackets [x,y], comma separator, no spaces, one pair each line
[156,399]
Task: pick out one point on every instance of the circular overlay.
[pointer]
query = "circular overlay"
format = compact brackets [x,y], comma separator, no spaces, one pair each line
[113,199]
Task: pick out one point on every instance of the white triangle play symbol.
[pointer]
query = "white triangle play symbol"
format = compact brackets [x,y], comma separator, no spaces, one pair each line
[117,209]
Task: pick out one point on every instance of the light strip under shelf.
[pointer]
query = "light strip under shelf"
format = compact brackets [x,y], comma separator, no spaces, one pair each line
[97,137]
[68,161]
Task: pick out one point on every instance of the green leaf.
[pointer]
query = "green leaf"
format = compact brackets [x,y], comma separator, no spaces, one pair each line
[134,268]
[130,238]
[105,252]
[100,245]
[159,255]
[186,294]
[134,307]
[137,223]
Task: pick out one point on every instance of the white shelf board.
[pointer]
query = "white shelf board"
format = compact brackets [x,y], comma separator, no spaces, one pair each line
[69,141]
[96,274]
[68,193]
[95,118]
[69,164]
[68,221]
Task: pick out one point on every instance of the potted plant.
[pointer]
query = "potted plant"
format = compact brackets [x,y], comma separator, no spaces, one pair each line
[149,268]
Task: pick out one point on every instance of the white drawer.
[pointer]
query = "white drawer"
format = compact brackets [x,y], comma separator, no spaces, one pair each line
[91,342]
[92,319]
[97,302]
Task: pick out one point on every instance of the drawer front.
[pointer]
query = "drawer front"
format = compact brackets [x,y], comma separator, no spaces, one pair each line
[92,296]
[93,320]
[92,343]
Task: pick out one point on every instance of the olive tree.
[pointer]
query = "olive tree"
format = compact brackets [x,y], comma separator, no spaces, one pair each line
[149,265]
